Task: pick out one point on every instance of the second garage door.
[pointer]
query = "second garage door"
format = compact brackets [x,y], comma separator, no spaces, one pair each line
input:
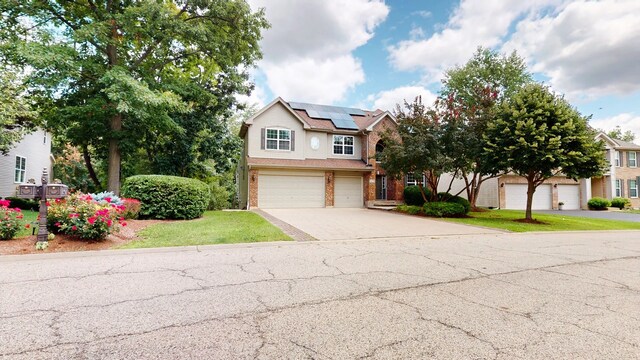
[570,196]
[348,191]
[516,197]
[290,191]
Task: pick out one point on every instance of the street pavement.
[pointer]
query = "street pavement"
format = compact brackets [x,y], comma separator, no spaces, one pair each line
[476,296]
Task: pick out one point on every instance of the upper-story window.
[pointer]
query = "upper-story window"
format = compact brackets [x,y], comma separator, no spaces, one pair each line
[21,169]
[379,150]
[278,139]
[633,162]
[342,145]
[617,158]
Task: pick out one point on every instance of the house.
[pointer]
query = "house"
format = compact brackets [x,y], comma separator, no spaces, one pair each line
[306,155]
[25,161]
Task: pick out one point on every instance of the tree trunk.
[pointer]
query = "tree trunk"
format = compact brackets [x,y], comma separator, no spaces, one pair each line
[87,163]
[113,183]
[531,188]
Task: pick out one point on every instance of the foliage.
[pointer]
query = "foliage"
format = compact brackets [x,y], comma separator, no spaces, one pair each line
[42,245]
[446,197]
[537,135]
[598,203]
[106,197]
[443,209]
[410,209]
[219,198]
[10,220]
[79,215]
[620,203]
[131,208]
[617,133]
[70,168]
[215,227]
[413,196]
[115,83]
[24,204]
[168,197]
[16,114]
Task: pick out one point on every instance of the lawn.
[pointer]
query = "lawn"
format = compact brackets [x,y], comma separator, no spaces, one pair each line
[632,211]
[215,227]
[29,217]
[504,219]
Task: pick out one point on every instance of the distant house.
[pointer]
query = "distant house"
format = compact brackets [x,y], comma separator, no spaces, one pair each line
[25,161]
[306,155]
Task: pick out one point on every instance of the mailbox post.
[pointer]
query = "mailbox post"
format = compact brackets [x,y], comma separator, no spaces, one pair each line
[43,192]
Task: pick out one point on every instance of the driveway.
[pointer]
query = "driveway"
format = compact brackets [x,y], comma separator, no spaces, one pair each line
[609,215]
[499,296]
[342,224]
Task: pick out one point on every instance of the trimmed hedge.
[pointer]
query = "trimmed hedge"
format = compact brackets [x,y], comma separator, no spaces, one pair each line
[446,197]
[444,209]
[412,195]
[167,197]
[410,209]
[23,204]
[620,203]
[597,203]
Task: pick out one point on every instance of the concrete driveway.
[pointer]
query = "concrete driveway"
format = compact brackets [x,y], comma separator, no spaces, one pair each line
[500,296]
[341,224]
[609,215]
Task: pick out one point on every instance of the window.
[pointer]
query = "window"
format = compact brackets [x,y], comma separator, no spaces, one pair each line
[633,188]
[632,159]
[21,169]
[618,188]
[342,145]
[278,139]
[617,158]
[411,180]
[379,150]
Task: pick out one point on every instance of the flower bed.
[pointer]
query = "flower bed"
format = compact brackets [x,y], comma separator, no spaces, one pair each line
[10,220]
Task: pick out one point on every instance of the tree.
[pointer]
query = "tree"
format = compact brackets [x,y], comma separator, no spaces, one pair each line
[112,67]
[538,135]
[617,133]
[469,100]
[416,148]
[16,115]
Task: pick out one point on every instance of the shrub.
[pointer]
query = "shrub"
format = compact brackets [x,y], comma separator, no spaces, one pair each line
[168,197]
[412,195]
[219,198]
[446,197]
[107,197]
[79,215]
[131,208]
[24,204]
[10,220]
[597,203]
[620,203]
[443,209]
[410,209]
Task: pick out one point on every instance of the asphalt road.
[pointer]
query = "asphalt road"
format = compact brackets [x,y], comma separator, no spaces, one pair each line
[491,296]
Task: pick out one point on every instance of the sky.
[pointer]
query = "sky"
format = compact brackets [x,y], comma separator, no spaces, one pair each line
[373,54]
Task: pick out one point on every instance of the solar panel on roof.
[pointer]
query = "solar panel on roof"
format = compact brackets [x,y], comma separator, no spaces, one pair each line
[339,116]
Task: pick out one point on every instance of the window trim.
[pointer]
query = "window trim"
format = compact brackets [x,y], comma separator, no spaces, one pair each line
[635,158]
[343,145]
[414,182]
[633,188]
[618,189]
[277,139]
[22,170]
[617,158]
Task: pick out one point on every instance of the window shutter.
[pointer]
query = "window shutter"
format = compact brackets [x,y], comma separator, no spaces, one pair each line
[629,186]
[262,135]
[628,157]
[622,158]
[622,188]
[293,140]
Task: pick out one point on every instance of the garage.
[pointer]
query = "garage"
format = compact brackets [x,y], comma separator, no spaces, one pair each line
[516,197]
[291,191]
[348,191]
[570,196]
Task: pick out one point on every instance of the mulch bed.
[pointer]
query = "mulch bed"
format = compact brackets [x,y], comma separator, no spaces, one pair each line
[62,243]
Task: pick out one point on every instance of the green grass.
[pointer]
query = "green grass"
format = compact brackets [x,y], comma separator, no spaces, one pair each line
[29,217]
[216,227]
[504,219]
[632,211]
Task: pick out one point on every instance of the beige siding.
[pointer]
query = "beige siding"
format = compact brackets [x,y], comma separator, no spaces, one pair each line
[38,155]
[488,196]
[321,151]
[276,117]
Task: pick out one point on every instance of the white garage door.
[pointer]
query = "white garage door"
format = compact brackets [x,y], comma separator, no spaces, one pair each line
[289,191]
[516,197]
[570,196]
[348,191]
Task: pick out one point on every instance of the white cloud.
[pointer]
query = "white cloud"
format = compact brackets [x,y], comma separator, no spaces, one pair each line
[257,97]
[586,48]
[626,121]
[308,49]
[387,100]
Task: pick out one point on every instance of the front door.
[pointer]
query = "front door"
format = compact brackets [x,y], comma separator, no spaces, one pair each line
[381,187]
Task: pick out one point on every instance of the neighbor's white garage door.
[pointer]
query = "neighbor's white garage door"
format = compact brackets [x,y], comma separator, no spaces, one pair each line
[570,196]
[290,191]
[348,191]
[516,197]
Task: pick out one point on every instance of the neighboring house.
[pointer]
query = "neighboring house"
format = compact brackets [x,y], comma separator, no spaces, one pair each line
[25,161]
[305,155]
[623,177]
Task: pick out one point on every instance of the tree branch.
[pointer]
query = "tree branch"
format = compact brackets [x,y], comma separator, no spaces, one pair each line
[73,27]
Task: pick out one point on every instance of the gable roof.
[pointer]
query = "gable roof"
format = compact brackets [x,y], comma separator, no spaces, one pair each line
[617,143]
[278,100]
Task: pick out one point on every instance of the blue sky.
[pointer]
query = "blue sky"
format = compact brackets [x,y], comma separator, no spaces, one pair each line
[373,54]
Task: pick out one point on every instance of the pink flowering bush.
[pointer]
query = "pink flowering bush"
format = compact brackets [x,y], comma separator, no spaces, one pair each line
[131,208]
[10,220]
[81,216]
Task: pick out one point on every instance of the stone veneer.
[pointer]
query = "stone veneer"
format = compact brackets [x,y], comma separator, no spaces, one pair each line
[329,188]
[395,188]
[253,188]
[514,179]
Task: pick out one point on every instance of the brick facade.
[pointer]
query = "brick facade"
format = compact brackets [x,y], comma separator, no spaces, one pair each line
[329,188]
[253,188]
[395,188]
[625,174]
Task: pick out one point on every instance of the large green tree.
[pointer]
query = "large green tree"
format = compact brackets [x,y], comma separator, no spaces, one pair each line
[537,135]
[114,67]
[469,99]
[16,114]
[617,133]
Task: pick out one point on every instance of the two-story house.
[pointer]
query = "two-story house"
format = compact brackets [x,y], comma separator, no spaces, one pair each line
[306,155]
[25,161]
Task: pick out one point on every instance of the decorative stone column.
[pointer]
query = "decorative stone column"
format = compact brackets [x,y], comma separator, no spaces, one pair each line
[329,188]
[253,188]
